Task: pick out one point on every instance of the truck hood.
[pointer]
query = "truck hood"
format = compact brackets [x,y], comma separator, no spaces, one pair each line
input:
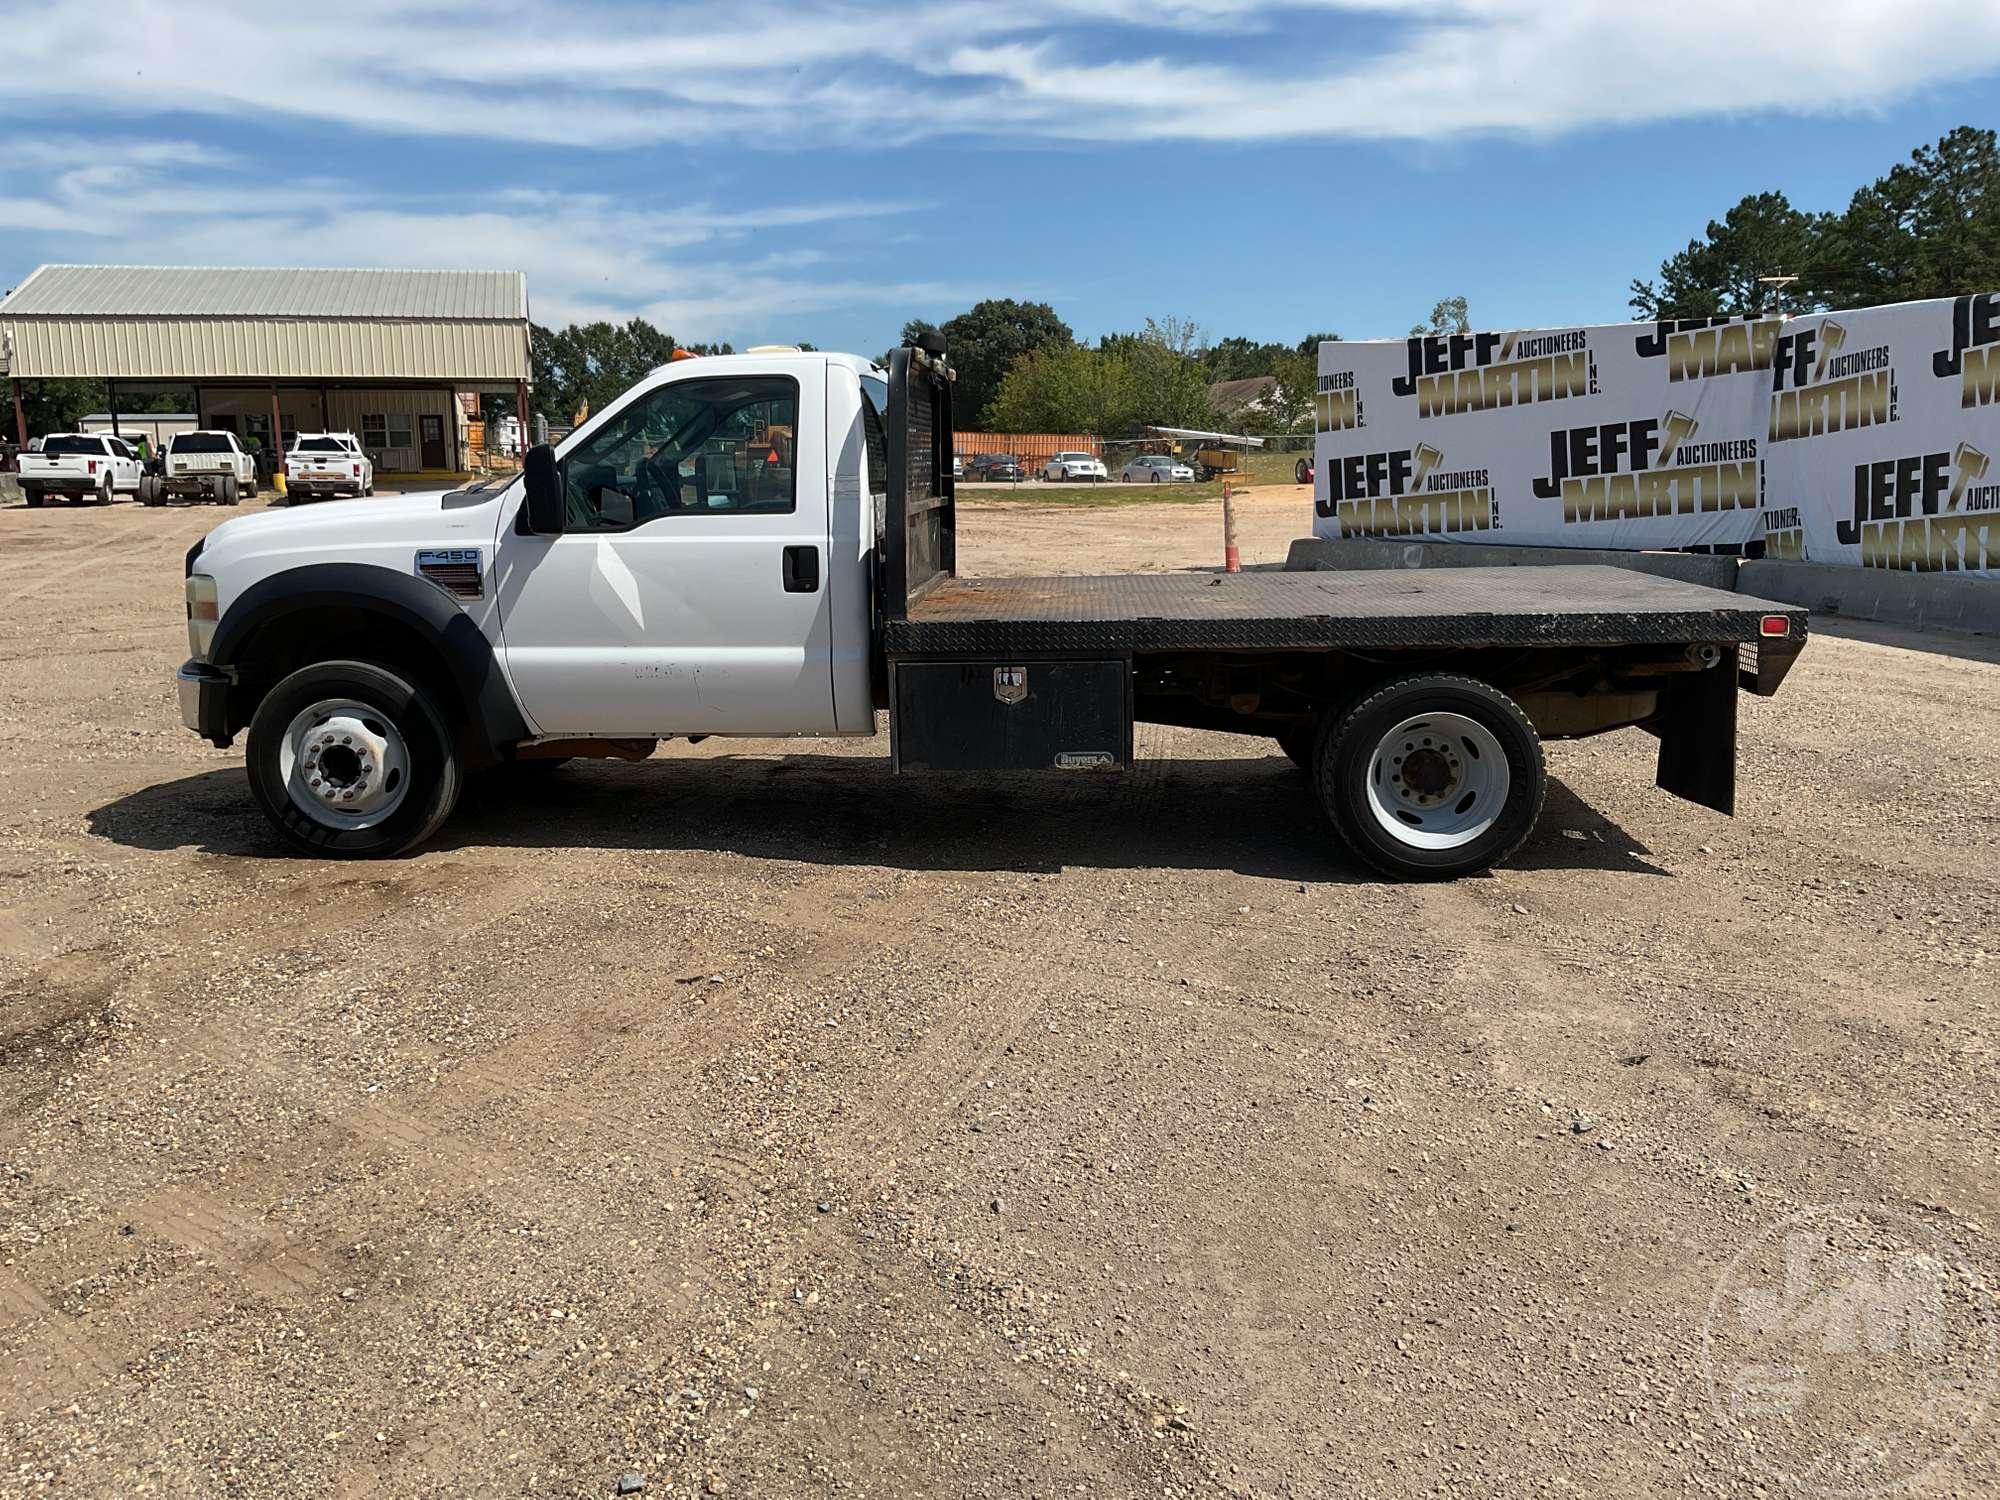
[381,531]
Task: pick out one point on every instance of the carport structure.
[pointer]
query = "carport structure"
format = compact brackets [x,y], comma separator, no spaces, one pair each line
[397,357]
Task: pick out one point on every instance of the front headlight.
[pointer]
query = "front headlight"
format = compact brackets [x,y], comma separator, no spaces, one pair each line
[202,614]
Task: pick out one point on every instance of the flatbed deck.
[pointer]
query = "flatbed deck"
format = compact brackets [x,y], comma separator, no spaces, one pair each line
[1264,611]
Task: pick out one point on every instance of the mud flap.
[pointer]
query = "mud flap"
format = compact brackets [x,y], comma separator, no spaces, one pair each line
[1697,729]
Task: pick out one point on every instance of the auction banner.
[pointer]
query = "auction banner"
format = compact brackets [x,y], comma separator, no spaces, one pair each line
[1884,438]
[1673,435]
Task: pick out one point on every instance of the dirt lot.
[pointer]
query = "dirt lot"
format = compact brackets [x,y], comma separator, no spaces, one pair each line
[761,1125]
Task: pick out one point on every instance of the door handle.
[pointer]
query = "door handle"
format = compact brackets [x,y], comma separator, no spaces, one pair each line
[801,570]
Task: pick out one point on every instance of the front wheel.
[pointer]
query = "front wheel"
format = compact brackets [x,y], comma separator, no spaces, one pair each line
[106,492]
[350,760]
[1302,473]
[1432,777]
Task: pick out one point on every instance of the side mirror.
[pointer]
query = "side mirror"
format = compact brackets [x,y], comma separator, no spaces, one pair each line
[543,479]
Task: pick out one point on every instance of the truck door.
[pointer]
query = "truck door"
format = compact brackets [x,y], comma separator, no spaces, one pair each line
[687,591]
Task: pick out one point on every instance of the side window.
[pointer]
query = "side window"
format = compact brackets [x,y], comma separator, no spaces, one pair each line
[375,432]
[693,448]
[877,438]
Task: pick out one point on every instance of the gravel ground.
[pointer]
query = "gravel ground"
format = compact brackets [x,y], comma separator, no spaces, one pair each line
[750,1123]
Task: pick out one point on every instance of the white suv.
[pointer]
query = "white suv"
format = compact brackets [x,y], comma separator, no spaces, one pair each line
[1073,468]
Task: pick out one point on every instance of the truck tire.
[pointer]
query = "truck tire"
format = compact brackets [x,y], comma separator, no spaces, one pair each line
[351,761]
[106,492]
[225,490]
[1431,777]
[151,491]
[1300,474]
[251,493]
[32,493]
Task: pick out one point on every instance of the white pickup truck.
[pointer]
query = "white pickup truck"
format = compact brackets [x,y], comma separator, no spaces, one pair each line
[81,466]
[764,545]
[328,463]
[203,466]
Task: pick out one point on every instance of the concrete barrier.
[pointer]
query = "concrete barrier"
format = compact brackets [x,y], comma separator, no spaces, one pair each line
[1317,554]
[1927,601]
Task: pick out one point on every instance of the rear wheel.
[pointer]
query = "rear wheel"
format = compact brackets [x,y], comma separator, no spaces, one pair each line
[33,495]
[350,760]
[151,491]
[225,490]
[1302,472]
[1431,777]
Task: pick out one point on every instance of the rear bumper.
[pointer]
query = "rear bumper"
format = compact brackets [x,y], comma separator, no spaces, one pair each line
[61,484]
[204,697]
[328,486]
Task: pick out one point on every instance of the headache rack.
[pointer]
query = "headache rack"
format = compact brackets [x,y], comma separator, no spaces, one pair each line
[920,541]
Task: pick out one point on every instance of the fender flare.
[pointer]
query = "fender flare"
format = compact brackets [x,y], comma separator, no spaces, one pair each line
[494,720]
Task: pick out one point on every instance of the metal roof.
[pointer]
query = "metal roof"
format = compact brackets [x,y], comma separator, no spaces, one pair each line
[268,292]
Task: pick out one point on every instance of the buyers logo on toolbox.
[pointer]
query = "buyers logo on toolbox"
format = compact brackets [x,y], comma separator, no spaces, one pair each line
[1337,403]
[1925,513]
[1974,355]
[1832,388]
[1696,348]
[1616,471]
[1406,492]
[1460,372]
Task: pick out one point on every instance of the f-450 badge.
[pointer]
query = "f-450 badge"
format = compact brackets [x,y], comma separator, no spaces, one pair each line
[456,570]
[1010,684]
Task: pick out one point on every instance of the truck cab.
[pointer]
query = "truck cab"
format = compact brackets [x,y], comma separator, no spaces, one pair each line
[764,545]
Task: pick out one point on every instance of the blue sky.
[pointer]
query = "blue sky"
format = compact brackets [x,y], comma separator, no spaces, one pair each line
[776,172]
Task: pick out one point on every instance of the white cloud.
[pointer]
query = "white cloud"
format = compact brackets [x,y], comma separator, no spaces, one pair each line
[614,73]
[704,272]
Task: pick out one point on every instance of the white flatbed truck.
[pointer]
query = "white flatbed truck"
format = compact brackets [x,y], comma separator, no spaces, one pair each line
[764,545]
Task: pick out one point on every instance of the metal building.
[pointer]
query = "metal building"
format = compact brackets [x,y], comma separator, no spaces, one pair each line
[399,358]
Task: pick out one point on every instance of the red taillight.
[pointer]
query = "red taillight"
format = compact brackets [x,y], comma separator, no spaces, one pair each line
[1774,625]
[357,470]
[93,465]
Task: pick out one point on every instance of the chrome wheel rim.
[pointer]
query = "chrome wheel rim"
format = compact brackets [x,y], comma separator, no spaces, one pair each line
[345,764]
[1438,781]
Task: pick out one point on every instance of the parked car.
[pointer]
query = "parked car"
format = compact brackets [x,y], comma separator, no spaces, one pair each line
[1073,468]
[1155,468]
[80,466]
[1303,471]
[995,466]
[203,466]
[328,463]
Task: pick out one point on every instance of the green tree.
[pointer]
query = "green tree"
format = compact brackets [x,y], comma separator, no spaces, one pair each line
[1169,381]
[1238,358]
[1065,388]
[1720,274]
[1449,315]
[984,341]
[1930,228]
[55,405]
[1309,345]
[587,365]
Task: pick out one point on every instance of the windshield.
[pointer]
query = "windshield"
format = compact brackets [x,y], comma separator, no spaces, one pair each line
[202,442]
[60,445]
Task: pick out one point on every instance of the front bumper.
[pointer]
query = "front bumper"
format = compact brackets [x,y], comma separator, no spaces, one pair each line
[204,695]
